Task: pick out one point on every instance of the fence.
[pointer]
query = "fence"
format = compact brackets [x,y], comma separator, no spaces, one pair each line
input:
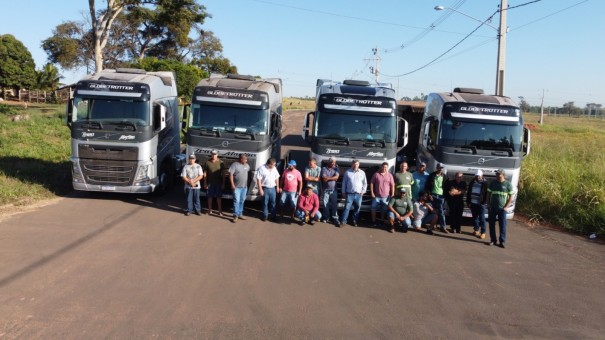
[61,95]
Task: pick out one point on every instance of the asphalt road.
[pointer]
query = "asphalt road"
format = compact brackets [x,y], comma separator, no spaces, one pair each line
[121,266]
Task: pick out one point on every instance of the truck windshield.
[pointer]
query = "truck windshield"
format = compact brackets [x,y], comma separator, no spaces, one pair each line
[481,135]
[356,127]
[112,110]
[230,119]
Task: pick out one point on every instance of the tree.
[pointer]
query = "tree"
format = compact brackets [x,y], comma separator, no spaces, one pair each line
[206,52]
[17,67]
[48,78]
[187,76]
[70,46]
[422,97]
[164,27]
[524,105]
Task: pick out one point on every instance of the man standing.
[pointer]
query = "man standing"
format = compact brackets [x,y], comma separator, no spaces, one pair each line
[192,174]
[476,198]
[455,200]
[420,176]
[214,181]
[499,198]
[329,195]
[400,211]
[291,189]
[238,176]
[354,185]
[307,208]
[404,179]
[434,187]
[312,173]
[267,179]
[382,187]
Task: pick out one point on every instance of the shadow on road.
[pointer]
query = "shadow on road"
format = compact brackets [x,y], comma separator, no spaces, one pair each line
[55,177]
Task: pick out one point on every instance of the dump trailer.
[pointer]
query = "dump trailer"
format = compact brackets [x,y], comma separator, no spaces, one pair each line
[354,119]
[124,131]
[235,114]
[467,130]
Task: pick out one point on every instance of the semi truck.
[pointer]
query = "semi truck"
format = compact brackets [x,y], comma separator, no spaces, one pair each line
[235,114]
[124,131]
[467,130]
[354,119]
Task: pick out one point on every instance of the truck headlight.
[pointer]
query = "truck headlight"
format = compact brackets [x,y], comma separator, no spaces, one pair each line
[142,178]
[76,173]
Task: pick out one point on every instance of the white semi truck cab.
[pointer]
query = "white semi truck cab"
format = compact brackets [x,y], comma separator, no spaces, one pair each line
[124,131]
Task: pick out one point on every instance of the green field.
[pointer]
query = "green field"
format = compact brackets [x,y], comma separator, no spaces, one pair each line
[561,181]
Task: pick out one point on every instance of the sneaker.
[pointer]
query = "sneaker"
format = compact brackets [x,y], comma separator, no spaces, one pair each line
[482,236]
[444,231]
[392,230]
[187,213]
[429,232]
[476,233]
[312,222]
[198,213]
[501,245]
[492,243]
[323,221]
[339,224]
[209,212]
[264,218]
[355,223]
[235,219]
[301,222]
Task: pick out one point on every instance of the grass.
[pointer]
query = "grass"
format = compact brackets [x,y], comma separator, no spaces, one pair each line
[298,104]
[562,180]
[34,153]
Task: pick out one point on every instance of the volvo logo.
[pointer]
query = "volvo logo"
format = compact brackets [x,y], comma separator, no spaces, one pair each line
[481,161]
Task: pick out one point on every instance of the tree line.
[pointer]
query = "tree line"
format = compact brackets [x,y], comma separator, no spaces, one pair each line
[149,34]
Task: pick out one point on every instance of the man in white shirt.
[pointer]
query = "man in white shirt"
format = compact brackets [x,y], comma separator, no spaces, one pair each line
[267,179]
[192,174]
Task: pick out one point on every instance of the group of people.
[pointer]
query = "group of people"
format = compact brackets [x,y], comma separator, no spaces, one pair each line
[409,200]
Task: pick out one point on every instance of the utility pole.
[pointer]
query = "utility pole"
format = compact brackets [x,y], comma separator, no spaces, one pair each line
[375,70]
[542,109]
[501,49]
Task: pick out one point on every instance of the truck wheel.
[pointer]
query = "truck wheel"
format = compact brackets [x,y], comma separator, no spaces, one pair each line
[164,180]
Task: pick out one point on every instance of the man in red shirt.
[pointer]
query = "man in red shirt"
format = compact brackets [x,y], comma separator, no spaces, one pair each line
[307,209]
[291,188]
[382,188]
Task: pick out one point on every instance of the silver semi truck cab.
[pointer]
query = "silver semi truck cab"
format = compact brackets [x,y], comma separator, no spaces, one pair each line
[124,131]
[235,114]
[467,130]
[355,120]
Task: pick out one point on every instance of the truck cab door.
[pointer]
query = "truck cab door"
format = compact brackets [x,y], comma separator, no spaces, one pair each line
[402,140]
[307,129]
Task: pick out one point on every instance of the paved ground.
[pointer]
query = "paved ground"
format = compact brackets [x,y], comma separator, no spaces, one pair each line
[119,266]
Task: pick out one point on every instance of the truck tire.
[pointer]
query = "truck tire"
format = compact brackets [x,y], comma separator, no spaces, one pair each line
[165,180]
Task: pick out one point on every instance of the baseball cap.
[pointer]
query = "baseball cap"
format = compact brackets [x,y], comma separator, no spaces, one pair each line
[422,164]
[332,159]
[403,190]
[501,171]
[479,173]
[214,152]
[310,186]
[292,162]
[440,166]
[192,156]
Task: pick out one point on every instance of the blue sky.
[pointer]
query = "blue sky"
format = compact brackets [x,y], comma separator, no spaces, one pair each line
[553,46]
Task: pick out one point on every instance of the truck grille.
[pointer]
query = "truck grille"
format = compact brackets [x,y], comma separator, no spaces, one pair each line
[104,172]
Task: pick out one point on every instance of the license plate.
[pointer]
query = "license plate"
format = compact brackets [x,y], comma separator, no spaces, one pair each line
[108,188]
[467,214]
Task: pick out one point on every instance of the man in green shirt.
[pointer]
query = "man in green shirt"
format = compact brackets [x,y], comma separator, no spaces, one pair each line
[434,187]
[404,179]
[400,211]
[499,199]
[214,181]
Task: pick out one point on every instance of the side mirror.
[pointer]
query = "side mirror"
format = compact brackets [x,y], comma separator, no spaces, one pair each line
[306,136]
[69,112]
[404,132]
[526,140]
[159,117]
[184,116]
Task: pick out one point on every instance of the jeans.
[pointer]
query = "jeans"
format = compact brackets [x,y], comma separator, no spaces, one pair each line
[301,215]
[501,215]
[239,196]
[269,202]
[438,206]
[406,223]
[478,212]
[380,204]
[288,199]
[329,202]
[193,200]
[456,206]
[353,200]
